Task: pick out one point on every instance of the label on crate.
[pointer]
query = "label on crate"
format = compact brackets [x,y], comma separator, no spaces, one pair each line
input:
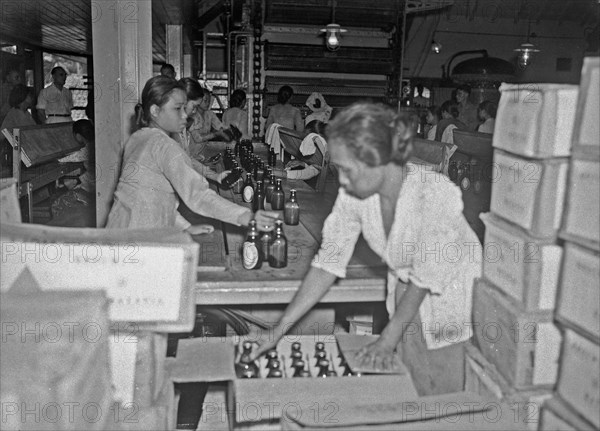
[579,381]
[142,282]
[583,217]
[579,293]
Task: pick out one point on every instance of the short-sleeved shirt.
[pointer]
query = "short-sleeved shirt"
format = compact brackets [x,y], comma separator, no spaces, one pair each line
[56,103]
[430,245]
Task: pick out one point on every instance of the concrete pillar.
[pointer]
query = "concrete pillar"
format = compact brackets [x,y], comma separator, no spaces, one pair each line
[122,48]
[175,48]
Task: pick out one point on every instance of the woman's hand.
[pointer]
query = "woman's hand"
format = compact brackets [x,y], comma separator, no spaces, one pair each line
[263,347]
[265,220]
[200,229]
[219,177]
[378,355]
[295,164]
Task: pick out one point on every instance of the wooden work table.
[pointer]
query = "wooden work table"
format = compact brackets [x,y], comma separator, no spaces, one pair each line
[222,280]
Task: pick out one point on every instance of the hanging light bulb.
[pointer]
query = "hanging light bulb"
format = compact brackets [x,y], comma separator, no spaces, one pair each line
[333,32]
[436,47]
[526,52]
[332,36]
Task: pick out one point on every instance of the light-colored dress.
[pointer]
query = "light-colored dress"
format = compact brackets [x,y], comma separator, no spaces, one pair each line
[487,126]
[155,171]
[430,244]
[204,123]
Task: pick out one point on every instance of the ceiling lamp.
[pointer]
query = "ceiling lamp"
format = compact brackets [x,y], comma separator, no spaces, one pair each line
[333,32]
[436,47]
[526,50]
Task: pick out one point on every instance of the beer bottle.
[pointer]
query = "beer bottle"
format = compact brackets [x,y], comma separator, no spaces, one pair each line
[259,202]
[248,192]
[291,212]
[453,171]
[238,186]
[272,157]
[278,249]
[270,189]
[266,237]
[246,368]
[278,198]
[251,250]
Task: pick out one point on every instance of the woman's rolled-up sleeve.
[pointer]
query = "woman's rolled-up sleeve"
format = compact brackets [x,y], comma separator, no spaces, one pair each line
[340,233]
[193,188]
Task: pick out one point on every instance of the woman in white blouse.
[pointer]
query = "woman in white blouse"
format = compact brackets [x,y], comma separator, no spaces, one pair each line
[413,219]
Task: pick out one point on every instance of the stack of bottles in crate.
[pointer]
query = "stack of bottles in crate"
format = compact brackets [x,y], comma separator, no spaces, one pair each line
[576,403]
[514,302]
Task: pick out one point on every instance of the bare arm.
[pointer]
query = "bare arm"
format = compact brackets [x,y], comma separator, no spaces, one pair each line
[315,285]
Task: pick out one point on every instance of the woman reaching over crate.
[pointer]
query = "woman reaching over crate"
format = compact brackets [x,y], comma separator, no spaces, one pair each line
[156,170]
[415,223]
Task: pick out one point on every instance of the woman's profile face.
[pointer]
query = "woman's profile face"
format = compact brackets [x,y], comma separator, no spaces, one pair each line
[204,104]
[191,106]
[356,177]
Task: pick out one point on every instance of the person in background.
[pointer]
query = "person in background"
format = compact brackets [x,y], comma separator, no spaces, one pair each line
[12,79]
[449,122]
[194,94]
[205,126]
[432,119]
[156,171]
[283,113]
[383,199]
[467,111]
[308,166]
[168,70]
[83,133]
[235,115]
[55,102]
[487,114]
[20,101]
[320,110]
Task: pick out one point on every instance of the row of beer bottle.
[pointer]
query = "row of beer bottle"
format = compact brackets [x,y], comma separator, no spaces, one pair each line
[265,246]
[273,194]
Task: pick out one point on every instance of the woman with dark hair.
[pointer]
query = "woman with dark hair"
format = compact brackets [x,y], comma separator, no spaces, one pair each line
[284,113]
[156,171]
[449,122]
[235,115]
[204,125]
[433,117]
[404,217]
[487,114]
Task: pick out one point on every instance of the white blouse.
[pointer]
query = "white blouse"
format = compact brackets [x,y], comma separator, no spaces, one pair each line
[430,245]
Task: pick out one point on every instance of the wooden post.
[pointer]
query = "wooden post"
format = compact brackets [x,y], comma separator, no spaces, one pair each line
[175,48]
[122,48]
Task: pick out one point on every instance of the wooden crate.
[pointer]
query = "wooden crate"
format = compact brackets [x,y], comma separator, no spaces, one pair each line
[150,275]
[579,378]
[536,120]
[529,192]
[557,416]
[582,219]
[586,132]
[579,292]
[523,345]
[523,267]
[482,378]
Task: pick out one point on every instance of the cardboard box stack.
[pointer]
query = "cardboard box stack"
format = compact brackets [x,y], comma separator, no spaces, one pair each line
[514,302]
[576,403]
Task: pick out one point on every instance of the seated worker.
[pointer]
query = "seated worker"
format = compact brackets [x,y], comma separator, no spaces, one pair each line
[195,94]
[283,113]
[487,114]
[83,132]
[168,70]
[205,126]
[236,115]
[313,149]
[20,101]
[467,111]
[383,199]
[320,110]
[432,119]
[148,194]
[449,122]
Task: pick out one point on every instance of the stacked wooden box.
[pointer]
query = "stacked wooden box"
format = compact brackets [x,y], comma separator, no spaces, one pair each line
[576,404]
[514,302]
